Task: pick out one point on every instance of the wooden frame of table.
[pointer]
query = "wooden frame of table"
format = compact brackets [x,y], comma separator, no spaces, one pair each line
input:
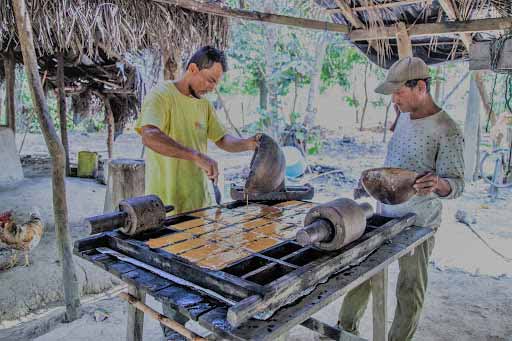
[212,314]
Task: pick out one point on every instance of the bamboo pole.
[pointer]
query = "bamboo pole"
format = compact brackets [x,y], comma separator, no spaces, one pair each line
[60,210]
[61,103]
[10,83]
[160,318]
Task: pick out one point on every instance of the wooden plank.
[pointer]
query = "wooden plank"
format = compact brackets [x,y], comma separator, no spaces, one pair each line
[225,11]
[279,291]
[382,6]
[403,41]
[379,299]
[434,29]
[135,325]
[324,294]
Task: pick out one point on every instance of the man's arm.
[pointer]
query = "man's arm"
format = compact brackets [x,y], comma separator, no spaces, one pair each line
[448,182]
[233,144]
[156,140]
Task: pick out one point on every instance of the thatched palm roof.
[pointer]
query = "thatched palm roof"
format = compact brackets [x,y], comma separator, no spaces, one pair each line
[95,36]
[432,49]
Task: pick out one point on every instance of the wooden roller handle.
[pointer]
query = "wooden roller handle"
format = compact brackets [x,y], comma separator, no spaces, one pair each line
[160,318]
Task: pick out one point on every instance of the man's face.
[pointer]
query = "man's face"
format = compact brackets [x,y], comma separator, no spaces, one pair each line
[409,99]
[205,80]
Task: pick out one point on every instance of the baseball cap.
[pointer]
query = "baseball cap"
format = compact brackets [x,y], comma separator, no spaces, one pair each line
[400,72]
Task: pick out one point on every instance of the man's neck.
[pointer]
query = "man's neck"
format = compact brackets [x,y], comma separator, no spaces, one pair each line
[183,87]
[426,109]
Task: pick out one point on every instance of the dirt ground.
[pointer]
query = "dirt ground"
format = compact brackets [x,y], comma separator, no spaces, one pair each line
[470,287]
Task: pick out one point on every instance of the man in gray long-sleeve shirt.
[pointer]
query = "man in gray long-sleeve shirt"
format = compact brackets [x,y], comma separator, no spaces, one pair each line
[425,140]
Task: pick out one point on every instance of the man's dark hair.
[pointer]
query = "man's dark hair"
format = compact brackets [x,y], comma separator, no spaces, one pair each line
[414,82]
[206,56]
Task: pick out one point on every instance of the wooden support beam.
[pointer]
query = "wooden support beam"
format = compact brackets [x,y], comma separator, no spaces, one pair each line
[109,116]
[380,6]
[472,131]
[453,13]
[60,208]
[225,11]
[435,29]
[10,83]
[61,104]
[348,14]
[403,41]
[380,303]
[135,324]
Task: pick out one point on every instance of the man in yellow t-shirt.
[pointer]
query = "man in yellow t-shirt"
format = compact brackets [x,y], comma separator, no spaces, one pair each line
[176,124]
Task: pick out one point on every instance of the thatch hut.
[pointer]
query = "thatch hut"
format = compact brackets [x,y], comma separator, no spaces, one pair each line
[93,39]
[374,24]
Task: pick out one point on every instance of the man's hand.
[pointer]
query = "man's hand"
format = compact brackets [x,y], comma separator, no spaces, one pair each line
[254,141]
[431,183]
[209,166]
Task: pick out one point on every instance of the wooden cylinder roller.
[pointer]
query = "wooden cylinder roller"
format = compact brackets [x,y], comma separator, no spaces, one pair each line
[332,225]
[135,216]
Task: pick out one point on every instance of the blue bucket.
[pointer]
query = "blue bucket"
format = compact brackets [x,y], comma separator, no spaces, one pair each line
[295,162]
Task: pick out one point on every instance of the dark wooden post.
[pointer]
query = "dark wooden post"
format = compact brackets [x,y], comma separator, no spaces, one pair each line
[61,103]
[135,325]
[109,115]
[60,209]
[10,82]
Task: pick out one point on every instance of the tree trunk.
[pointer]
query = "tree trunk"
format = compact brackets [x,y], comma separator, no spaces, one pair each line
[60,209]
[295,97]
[10,83]
[61,103]
[452,91]
[365,105]
[109,115]
[172,64]
[263,93]
[270,70]
[314,87]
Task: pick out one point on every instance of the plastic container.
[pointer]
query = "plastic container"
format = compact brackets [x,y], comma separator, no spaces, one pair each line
[87,164]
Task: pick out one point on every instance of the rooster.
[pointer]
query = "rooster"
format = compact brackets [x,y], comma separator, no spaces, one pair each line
[23,237]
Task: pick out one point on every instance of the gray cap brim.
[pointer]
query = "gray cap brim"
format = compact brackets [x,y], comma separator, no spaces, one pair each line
[387,88]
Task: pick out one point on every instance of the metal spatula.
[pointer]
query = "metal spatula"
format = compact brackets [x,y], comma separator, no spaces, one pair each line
[218,196]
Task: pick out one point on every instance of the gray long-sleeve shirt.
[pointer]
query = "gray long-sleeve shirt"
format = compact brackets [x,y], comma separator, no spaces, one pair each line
[431,144]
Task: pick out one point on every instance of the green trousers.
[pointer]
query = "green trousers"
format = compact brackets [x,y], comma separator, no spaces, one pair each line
[410,293]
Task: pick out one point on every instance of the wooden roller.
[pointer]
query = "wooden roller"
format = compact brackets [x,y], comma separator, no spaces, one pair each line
[135,215]
[332,225]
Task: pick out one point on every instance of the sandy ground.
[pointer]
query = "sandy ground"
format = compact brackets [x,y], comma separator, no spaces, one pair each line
[470,289]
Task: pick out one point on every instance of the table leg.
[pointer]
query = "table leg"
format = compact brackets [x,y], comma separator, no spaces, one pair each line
[379,297]
[135,317]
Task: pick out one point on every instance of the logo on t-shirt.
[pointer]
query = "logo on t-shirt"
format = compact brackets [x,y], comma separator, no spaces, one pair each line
[199,125]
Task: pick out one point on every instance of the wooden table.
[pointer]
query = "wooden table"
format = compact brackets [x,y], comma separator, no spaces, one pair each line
[211,313]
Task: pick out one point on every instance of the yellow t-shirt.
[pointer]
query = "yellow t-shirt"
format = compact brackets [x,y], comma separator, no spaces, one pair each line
[190,122]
